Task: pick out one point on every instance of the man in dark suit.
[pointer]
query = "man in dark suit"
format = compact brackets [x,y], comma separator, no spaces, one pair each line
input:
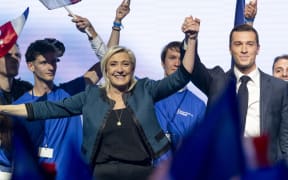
[267,111]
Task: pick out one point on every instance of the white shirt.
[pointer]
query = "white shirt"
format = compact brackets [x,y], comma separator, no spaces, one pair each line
[252,126]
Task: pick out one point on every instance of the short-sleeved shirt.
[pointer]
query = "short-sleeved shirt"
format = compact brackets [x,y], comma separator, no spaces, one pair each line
[58,133]
[19,87]
[179,113]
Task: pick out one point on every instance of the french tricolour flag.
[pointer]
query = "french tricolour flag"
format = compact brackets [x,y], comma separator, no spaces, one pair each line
[10,31]
[53,4]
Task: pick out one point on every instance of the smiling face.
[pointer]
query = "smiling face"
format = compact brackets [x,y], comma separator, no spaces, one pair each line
[119,70]
[244,49]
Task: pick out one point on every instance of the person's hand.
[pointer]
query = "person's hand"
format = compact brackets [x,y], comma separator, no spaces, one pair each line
[81,22]
[84,25]
[250,10]
[191,27]
[122,10]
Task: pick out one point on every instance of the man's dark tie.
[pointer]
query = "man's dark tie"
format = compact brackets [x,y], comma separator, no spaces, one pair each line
[243,100]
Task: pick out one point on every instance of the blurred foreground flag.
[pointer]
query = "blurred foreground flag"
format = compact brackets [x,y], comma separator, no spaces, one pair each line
[77,168]
[26,164]
[256,151]
[214,150]
[53,4]
[278,171]
[10,31]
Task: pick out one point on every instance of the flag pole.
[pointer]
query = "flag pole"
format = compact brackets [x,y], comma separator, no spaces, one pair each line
[74,16]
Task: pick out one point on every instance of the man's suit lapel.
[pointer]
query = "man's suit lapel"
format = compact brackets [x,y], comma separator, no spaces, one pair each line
[265,95]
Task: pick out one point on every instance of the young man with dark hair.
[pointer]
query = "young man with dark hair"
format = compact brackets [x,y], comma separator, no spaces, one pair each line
[280,67]
[52,138]
[179,113]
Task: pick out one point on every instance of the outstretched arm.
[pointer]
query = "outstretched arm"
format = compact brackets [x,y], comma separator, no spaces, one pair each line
[14,110]
[121,12]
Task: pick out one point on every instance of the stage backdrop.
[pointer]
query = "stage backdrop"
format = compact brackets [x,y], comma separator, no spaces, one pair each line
[149,26]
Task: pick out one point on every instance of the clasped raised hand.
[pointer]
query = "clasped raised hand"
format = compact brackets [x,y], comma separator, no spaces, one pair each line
[191,27]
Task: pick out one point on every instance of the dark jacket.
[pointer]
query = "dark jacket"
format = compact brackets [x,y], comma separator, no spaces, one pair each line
[273,103]
[95,107]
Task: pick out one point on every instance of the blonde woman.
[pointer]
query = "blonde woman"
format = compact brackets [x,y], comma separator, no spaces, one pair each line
[121,133]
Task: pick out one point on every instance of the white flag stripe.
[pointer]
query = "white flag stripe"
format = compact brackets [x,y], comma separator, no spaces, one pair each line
[53,4]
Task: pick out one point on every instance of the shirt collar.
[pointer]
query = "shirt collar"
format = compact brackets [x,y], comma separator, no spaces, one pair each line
[253,74]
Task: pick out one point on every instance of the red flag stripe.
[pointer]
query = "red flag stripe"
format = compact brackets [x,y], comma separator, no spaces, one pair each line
[10,31]
[8,38]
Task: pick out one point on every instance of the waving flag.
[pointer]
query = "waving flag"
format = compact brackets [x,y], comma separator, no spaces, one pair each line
[53,4]
[214,150]
[239,17]
[10,31]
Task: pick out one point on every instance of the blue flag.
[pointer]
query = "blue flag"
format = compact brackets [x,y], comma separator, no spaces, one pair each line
[239,13]
[214,149]
[24,156]
[26,165]
[279,171]
[77,168]
[239,17]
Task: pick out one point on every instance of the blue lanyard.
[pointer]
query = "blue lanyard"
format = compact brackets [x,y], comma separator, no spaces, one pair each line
[46,133]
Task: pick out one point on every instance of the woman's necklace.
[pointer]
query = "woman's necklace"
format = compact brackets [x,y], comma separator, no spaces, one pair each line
[119,123]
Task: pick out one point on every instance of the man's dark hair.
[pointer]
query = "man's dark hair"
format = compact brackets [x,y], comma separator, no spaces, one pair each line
[58,45]
[175,45]
[38,47]
[243,28]
[284,56]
